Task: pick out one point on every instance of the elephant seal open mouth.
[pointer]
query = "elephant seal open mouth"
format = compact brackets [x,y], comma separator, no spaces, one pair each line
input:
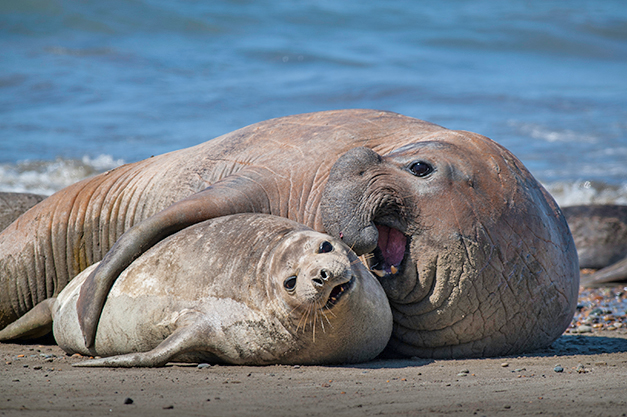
[244,289]
[389,254]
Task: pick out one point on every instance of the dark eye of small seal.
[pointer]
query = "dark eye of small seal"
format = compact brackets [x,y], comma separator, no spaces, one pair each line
[325,247]
[290,283]
[420,168]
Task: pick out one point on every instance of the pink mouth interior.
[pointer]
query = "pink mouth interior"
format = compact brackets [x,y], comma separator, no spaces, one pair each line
[392,243]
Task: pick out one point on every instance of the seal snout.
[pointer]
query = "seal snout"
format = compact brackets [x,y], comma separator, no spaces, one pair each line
[323,276]
[331,276]
[338,291]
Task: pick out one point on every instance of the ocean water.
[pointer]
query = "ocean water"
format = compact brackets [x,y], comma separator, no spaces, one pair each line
[88,85]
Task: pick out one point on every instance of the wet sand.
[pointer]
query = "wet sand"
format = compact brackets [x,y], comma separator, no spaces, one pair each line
[581,374]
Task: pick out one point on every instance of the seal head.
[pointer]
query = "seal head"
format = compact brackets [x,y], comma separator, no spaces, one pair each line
[474,255]
[329,299]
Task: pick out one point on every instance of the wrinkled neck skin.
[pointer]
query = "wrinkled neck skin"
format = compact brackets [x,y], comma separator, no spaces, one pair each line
[487,265]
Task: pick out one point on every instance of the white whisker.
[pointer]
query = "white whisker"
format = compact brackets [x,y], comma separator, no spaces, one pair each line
[318,309]
[314,326]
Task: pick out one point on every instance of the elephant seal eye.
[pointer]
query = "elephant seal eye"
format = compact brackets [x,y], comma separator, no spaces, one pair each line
[325,247]
[290,283]
[421,169]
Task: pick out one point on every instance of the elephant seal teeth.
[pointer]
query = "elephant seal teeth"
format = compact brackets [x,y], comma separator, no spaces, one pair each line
[379,272]
[369,261]
[387,258]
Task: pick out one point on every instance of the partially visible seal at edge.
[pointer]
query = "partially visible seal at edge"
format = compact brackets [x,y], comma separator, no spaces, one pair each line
[13,205]
[599,232]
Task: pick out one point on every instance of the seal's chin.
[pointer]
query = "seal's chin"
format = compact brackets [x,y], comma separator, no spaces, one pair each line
[338,292]
[387,258]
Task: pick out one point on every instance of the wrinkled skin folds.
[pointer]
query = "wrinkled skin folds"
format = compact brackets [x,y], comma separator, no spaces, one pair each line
[473,253]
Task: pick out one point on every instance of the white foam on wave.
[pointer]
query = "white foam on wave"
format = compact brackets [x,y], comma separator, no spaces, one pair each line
[48,177]
[541,132]
[586,192]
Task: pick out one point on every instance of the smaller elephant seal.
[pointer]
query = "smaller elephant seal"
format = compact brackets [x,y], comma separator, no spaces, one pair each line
[245,289]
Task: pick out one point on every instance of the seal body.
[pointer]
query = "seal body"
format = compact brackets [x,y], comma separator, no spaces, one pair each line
[242,289]
[475,256]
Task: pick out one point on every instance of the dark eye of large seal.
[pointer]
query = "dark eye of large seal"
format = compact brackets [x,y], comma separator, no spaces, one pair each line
[290,283]
[325,247]
[420,168]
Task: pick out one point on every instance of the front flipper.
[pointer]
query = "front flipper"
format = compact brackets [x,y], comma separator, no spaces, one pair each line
[243,193]
[36,323]
[183,339]
[226,331]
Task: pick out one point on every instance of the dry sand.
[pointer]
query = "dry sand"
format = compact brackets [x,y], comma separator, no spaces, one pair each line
[38,379]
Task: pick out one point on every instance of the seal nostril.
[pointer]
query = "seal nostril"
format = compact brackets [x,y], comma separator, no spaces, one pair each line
[318,282]
[324,274]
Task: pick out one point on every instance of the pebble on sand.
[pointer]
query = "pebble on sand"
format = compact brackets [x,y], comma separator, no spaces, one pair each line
[599,309]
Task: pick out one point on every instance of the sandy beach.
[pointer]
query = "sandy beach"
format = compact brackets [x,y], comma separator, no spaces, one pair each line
[582,374]
[87,88]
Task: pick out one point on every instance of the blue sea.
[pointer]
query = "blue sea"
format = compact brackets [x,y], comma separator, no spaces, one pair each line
[88,85]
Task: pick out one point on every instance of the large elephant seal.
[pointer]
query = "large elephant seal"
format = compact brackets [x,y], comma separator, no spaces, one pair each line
[243,289]
[477,257]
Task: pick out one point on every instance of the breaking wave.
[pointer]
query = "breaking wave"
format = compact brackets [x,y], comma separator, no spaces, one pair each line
[48,177]
[586,192]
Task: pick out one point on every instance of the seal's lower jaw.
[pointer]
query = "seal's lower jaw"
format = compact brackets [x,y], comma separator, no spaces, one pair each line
[339,292]
[388,258]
